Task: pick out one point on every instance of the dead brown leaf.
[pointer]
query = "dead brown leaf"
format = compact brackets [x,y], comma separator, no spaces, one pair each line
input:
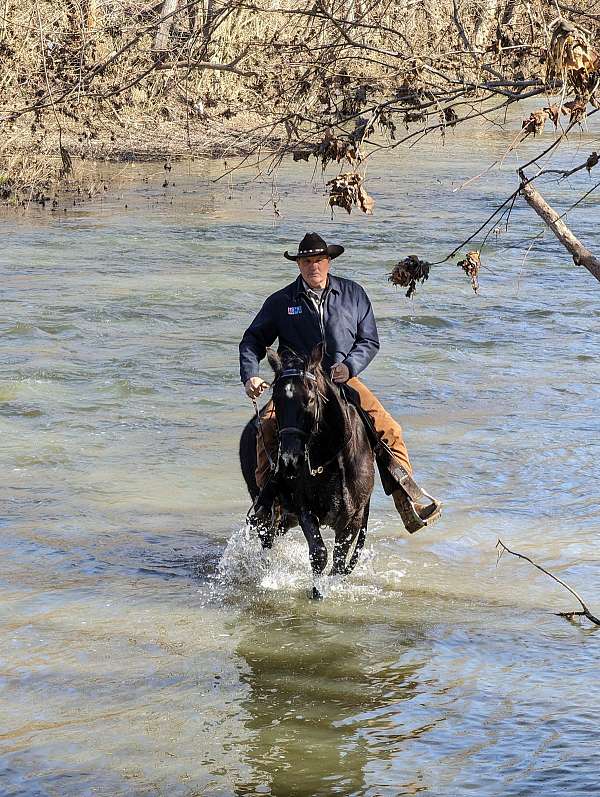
[346,191]
[553,112]
[413,116]
[572,59]
[332,148]
[471,265]
[575,109]
[592,161]
[67,163]
[302,154]
[535,123]
[450,117]
[365,202]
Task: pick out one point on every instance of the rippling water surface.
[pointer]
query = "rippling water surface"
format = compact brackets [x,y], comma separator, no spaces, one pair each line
[147,648]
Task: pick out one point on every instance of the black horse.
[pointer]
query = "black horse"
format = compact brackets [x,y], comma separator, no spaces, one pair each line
[323,473]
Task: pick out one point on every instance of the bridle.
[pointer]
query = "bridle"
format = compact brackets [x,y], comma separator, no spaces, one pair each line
[300,373]
[289,373]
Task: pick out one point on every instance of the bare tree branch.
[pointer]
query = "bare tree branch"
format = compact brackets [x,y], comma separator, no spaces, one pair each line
[581,255]
[569,615]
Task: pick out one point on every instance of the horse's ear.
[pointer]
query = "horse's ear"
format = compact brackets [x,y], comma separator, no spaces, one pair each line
[274,360]
[316,357]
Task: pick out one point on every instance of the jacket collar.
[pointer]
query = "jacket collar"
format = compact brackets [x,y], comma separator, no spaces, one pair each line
[297,287]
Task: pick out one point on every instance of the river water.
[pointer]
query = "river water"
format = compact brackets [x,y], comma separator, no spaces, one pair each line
[147,648]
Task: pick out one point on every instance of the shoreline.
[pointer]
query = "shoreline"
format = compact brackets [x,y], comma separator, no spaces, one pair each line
[54,174]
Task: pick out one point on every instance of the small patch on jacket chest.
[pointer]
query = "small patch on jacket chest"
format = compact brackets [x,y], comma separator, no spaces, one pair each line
[294,310]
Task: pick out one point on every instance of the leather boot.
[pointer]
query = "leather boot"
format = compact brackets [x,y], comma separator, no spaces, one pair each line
[415,506]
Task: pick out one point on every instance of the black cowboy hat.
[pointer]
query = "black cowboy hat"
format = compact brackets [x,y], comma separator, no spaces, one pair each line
[312,244]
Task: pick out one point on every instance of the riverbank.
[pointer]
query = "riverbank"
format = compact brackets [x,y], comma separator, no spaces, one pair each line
[36,174]
[127,81]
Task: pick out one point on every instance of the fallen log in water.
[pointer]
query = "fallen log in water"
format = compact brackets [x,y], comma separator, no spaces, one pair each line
[581,255]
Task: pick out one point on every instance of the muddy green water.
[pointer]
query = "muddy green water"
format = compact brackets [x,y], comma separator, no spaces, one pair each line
[146,647]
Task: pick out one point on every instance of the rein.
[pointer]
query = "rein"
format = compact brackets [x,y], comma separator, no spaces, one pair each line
[260,429]
[321,468]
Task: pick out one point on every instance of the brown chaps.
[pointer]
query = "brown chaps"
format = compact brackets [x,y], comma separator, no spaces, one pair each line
[385,426]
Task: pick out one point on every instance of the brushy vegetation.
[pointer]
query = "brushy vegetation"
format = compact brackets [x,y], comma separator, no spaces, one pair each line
[320,79]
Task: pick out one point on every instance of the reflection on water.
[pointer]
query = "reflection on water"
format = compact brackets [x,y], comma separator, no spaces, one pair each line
[324,700]
[148,647]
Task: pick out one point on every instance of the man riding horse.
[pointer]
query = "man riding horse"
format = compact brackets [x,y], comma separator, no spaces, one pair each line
[321,308]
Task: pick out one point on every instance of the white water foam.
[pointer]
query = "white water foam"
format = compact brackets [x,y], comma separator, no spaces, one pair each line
[245,566]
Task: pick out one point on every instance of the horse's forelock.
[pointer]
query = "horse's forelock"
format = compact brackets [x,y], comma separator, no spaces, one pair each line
[290,360]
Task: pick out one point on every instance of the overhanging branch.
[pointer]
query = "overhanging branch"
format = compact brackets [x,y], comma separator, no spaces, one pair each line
[581,255]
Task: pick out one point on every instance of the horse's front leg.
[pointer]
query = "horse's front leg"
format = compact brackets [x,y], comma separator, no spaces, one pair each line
[355,532]
[266,535]
[316,547]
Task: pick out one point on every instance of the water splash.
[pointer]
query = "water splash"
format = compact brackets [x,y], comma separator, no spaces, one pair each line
[246,569]
[245,565]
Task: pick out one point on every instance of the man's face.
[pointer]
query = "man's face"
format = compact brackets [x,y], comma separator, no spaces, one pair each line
[314,270]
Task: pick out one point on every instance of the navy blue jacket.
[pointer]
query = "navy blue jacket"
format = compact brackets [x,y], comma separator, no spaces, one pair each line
[348,329]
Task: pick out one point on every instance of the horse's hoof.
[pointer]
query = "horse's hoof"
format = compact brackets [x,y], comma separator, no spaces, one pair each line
[316,595]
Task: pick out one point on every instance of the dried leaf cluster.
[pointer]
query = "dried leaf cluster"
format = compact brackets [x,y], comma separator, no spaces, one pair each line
[330,149]
[346,191]
[574,109]
[471,265]
[408,272]
[333,148]
[535,123]
[572,59]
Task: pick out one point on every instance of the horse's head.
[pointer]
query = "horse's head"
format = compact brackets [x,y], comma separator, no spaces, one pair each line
[296,401]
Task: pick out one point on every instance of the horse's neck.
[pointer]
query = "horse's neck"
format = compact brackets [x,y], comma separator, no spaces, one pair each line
[335,419]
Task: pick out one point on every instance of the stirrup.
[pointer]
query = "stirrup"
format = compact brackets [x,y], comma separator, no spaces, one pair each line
[407,508]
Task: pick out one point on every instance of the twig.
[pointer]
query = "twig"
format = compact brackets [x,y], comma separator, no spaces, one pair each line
[460,27]
[557,140]
[67,166]
[572,10]
[589,164]
[231,67]
[479,229]
[569,615]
